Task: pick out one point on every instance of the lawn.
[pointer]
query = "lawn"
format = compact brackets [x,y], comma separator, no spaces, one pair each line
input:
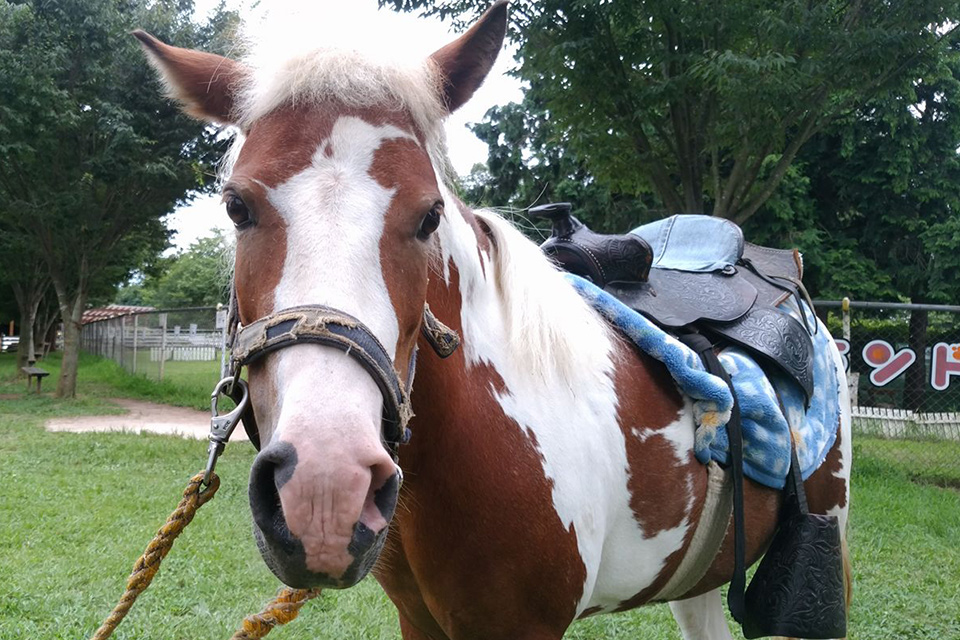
[77,509]
[185,384]
[933,461]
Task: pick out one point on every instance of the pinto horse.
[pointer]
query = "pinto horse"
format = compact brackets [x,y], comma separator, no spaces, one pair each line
[550,474]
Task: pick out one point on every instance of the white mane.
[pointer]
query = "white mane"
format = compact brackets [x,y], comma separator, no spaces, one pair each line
[551,330]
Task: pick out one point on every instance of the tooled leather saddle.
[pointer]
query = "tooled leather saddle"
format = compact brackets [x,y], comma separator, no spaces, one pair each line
[695,272]
[697,278]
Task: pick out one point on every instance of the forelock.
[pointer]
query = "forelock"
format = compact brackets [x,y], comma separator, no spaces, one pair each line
[347,76]
[284,72]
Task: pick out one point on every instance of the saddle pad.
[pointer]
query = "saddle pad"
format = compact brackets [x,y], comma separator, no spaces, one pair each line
[693,242]
[766,434]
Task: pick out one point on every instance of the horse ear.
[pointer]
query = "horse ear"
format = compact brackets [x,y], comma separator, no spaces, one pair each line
[204,83]
[466,61]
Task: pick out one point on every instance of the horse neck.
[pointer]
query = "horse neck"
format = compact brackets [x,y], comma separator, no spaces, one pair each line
[513,310]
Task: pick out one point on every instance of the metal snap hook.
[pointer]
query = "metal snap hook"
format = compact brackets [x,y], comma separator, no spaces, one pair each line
[221,426]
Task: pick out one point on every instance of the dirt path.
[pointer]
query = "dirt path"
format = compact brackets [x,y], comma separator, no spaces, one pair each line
[145,416]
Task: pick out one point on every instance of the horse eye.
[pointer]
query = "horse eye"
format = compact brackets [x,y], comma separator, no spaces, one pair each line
[430,222]
[238,211]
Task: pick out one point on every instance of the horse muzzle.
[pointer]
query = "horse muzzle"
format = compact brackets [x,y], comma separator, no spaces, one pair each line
[321,525]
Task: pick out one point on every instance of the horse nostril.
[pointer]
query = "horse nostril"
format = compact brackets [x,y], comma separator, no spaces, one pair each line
[272,468]
[385,480]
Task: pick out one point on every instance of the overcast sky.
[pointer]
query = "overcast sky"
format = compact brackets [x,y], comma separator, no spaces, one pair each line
[356,21]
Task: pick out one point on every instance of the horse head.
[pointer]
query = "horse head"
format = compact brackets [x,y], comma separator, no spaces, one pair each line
[336,189]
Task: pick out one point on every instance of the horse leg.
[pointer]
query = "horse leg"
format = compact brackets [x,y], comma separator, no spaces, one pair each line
[701,617]
[410,632]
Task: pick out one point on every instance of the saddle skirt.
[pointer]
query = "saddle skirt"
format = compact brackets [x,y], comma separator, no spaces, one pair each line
[766,430]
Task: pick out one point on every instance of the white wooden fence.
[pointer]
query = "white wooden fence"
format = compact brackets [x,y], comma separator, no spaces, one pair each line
[143,342]
[903,423]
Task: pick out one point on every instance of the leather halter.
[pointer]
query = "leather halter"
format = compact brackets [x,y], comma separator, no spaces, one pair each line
[319,324]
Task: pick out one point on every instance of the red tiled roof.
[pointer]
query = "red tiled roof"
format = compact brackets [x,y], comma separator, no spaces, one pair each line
[111,311]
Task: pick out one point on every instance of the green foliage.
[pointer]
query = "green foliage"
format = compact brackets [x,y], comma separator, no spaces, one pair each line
[528,163]
[830,127]
[876,214]
[196,277]
[91,154]
[693,99]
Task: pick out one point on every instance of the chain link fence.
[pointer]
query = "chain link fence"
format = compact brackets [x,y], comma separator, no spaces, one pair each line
[903,365]
[181,346]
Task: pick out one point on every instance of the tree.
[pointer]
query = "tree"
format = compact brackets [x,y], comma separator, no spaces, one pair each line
[708,103]
[22,269]
[528,163]
[196,277]
[91,156]
[888,178]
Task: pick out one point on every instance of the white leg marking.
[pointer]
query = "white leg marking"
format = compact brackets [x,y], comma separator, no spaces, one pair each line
[701,618]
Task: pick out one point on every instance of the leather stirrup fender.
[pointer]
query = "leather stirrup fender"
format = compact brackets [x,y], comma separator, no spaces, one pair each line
[797,590]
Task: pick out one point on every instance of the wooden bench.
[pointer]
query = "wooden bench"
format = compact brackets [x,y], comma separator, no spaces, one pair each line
[34,372]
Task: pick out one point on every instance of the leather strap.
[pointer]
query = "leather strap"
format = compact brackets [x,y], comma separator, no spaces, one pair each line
[318,324]
[735,594]
[794,488]
[441,338]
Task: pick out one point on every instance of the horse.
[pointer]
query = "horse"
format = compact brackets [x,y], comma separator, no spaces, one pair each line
[549,473]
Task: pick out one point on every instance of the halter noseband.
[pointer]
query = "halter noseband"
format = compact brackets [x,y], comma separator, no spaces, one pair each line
[319,324]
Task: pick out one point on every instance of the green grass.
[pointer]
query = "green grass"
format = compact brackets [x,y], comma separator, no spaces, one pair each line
[187,375]
[185,384]
[933,461]
[77,509]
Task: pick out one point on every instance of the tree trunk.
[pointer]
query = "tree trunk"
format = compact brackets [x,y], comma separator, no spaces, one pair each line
[45,329]
[28,293]
[915,385]
[26,349]
[67,384]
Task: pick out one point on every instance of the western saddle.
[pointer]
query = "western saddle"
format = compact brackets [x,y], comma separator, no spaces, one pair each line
[694,273]
[697,278]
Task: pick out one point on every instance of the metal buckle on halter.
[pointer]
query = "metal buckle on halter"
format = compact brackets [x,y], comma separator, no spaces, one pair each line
[221,426]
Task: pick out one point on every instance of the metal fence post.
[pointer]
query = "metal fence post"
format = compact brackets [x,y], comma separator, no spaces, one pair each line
[163,342]
[136,327]
[853,378]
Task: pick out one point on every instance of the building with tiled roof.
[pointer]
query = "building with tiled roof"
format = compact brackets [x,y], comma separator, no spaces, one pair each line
[111,311]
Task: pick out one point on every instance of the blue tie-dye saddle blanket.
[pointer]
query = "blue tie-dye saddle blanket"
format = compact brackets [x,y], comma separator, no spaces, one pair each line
[766,431]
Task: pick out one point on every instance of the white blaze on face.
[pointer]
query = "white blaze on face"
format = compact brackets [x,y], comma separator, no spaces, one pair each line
[334,212]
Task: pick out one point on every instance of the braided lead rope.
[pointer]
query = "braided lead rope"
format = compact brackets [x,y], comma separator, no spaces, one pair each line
[147,565]
[280,610]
